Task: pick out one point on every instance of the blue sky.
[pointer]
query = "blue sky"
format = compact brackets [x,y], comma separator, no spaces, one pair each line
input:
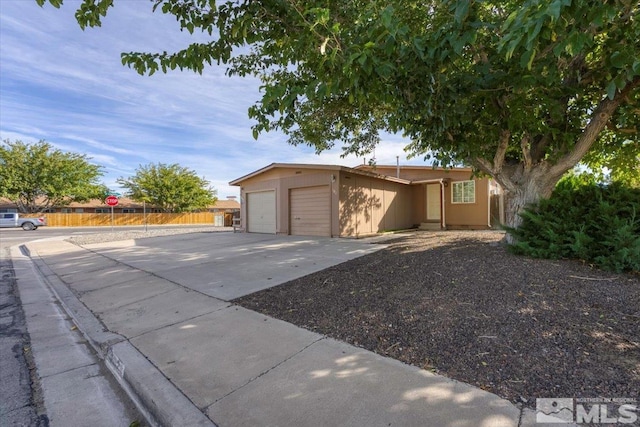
[68,86]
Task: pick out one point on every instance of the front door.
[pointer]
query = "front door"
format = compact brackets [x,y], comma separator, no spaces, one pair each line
[434,208]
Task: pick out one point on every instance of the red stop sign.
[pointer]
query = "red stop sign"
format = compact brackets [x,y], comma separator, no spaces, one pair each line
[111,200]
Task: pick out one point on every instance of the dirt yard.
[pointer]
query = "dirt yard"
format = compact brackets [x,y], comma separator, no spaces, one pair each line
[457,303]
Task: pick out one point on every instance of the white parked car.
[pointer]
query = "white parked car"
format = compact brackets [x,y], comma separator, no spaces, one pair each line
[11,220]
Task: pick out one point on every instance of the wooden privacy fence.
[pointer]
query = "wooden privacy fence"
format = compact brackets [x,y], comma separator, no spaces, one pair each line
[104,219]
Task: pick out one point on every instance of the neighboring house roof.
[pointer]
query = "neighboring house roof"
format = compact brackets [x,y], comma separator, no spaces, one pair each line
[123,202]
[226,204]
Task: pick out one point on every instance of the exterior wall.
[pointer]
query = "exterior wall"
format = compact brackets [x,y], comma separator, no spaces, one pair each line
[283,180]
[419,196]
[369,205]
[456,216]
[468,215]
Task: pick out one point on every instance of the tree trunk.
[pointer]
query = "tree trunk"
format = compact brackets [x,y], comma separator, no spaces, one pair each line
[528,191]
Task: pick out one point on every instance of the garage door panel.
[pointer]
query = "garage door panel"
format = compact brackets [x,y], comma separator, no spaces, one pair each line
[310,211]
[261,212]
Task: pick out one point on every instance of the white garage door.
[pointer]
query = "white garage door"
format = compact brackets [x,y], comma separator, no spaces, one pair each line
[261,212]
[310,211]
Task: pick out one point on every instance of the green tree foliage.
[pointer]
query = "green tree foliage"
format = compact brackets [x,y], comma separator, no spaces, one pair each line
[170,188]
[584,220]
[521,90]
[37,176]
[612,162]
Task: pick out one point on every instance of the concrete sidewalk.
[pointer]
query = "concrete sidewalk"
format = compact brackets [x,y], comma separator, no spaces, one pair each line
[159,312]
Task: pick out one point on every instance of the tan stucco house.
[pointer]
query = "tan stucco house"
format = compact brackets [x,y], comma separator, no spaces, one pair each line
[338,201]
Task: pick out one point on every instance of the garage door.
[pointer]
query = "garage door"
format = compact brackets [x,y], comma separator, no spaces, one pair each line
[261,212]
[310,211]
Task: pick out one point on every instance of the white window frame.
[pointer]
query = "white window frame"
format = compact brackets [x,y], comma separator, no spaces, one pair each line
[128,210]
[465,199]
[66,210]
[103,210]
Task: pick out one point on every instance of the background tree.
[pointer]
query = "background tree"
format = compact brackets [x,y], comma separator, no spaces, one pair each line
[520,90]
[612,162]
[170,188]
[37,176]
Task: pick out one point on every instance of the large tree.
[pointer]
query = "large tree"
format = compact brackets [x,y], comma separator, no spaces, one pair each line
[170,188]
[520,90]
[37,176]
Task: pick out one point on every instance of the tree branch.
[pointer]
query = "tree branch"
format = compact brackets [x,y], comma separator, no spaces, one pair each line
[538,148]
[502,178]
[501,151]
[483,165]
[598,121]
[526,152]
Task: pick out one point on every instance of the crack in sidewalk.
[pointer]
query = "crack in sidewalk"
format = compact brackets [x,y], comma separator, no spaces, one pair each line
[176,323]
[145,271]
[206,408]
[95,363]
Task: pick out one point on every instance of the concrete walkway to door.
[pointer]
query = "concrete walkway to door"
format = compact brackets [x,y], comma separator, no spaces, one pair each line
[159,310]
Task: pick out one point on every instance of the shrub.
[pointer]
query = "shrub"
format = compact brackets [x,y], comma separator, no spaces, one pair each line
[584,220]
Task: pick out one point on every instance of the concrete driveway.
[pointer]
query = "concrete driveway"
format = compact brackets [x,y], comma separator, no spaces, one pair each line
[158,312]
[229,265]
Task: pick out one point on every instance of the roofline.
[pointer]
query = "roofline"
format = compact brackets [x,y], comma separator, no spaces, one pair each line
[465,168]
[238,181]
[431,181]
[282,165]
[375,175]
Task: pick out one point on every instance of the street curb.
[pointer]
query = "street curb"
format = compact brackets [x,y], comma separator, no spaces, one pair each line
[158,400]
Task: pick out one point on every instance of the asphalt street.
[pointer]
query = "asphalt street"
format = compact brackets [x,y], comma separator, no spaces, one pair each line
[20,390]
[19,393]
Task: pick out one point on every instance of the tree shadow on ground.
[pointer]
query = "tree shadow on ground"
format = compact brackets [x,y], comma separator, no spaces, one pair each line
[461,305]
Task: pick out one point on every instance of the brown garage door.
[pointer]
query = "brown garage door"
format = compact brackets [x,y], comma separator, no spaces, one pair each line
[310,211]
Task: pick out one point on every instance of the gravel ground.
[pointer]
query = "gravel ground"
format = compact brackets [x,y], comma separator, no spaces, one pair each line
[87,239]
[457,303]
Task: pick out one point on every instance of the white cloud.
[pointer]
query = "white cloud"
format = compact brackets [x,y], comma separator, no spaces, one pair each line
[69,87]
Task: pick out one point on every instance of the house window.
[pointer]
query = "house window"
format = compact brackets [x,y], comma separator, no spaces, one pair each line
[125,210]
[65,210]
[79,210]
[463,192]
[103,210]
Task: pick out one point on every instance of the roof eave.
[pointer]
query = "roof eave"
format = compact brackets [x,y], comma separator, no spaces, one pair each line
[284,166]
[346,169]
